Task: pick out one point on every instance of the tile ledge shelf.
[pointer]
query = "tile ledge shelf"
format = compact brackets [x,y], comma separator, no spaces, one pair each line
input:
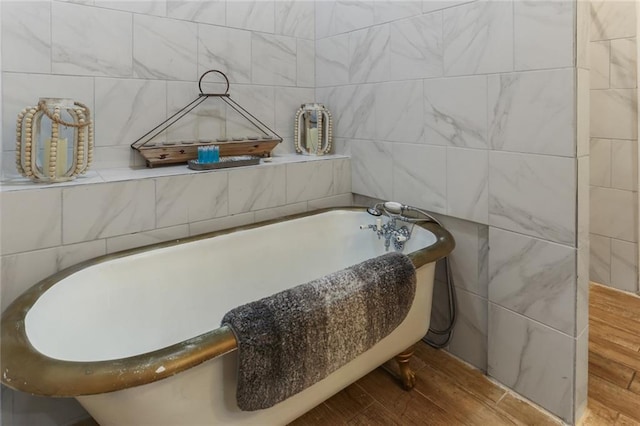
[20,183]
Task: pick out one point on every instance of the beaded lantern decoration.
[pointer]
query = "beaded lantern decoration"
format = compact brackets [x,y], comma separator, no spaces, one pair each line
[54,140]
[313,130]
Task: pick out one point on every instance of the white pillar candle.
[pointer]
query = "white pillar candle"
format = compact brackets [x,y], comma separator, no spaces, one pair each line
[46,156]
[61,160]
[312,139]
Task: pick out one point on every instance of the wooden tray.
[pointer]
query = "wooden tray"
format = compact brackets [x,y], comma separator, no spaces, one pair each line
[162,154]
[225,162]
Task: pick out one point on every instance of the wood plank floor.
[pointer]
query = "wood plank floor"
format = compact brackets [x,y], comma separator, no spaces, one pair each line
[614,358]
[447,392]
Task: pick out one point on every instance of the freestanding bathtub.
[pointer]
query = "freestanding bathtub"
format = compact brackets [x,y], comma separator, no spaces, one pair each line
[135,335]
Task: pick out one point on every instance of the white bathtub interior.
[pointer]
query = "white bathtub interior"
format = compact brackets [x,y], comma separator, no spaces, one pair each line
[147,301]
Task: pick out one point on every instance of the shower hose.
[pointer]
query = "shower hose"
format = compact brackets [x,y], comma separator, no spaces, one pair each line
[437,338]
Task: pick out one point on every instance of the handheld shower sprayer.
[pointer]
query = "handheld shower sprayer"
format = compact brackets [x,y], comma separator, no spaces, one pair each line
[397,210]
[393,207]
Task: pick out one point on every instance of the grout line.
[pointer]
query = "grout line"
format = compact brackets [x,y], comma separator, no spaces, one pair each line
[633,376]
[502,397]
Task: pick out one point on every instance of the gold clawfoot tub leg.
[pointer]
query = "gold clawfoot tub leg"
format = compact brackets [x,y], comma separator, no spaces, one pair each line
[407,375]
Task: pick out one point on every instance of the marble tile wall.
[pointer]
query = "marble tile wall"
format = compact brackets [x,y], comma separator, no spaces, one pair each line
[614,146]
[468,110]
[72,223]
[135,63]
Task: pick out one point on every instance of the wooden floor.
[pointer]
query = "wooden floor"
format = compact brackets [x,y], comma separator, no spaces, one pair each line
[614,358]
[447,392]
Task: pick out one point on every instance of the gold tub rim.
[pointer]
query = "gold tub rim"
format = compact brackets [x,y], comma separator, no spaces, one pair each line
[26,369]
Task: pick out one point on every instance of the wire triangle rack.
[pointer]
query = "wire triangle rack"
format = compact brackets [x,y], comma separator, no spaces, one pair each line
[176,152]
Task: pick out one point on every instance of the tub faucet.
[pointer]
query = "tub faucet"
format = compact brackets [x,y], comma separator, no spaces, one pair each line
[390,231]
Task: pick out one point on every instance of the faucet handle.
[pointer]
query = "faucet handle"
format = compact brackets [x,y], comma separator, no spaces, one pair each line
[377,226]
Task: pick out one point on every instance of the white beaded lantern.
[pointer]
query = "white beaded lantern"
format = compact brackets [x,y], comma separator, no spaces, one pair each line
[313,130]
[54,140]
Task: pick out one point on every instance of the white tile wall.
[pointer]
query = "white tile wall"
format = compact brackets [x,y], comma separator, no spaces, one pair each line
[600,158]
[252,15]
[21,271]
[372,168]
[600,259]
[392,11]
[295,18]
[600,64]
[451,122]
[488,48]
[164,48]
[469,341]
[106,48]
[133,107]
[415,47]
[531,112]
[332,60]
[191,198]
[614,145]
[149,7]
[468,192]
[623,63]
[210,12]
[399,111]
[624,165]
[369,54]
[310,180]
[35,18]
[469,257]
[106,210]
[583,36]
[340,16]
[30,220]
[256,188]
[534,195]
[542,288]
[583,108]
[342,176]
[543,34]
[614,213]
[305,63]
[227,49]
[614,114]
[612,20]
[273,59]
[534,360]
[624,265]
[419,176]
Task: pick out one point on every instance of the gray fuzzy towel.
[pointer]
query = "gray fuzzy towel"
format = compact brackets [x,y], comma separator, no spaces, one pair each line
[295,338]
